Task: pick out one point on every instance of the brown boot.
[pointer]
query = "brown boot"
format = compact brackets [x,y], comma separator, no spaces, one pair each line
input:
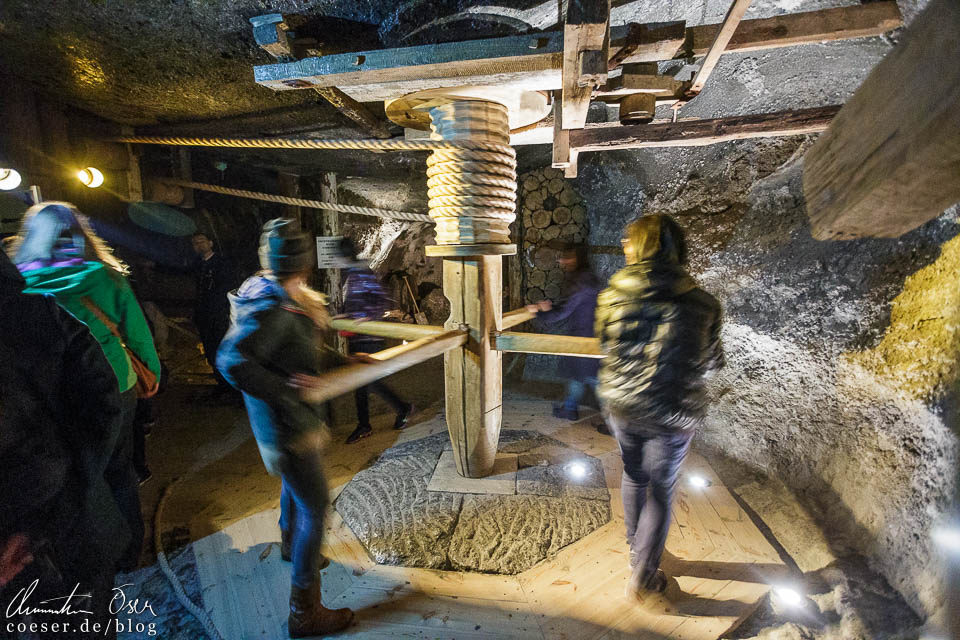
[308,616]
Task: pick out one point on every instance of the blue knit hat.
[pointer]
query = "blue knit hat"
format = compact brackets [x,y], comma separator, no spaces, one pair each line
[284,249]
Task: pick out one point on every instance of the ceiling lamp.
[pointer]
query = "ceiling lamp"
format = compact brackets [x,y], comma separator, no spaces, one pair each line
[91,177]
[9,179]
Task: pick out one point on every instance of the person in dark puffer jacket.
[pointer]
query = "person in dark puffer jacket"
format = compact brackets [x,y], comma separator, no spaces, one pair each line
[272,345]
[661,336]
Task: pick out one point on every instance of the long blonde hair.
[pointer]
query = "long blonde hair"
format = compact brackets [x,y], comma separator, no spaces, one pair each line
[310,300]
[95,248]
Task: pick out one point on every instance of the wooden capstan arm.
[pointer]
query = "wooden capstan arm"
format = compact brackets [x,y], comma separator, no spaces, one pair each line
[547,343]
[352,376]
[397,330]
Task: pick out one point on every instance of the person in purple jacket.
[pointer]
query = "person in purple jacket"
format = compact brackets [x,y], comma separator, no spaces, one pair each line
[576,307]
[364,298]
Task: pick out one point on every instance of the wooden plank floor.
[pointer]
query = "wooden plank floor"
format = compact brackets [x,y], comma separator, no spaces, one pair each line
[722,562]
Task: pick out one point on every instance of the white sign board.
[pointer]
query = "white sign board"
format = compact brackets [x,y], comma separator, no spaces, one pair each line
[328,252]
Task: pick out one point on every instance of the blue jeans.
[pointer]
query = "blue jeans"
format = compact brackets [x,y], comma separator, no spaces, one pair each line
[651,461]
[576,387]
[303,503]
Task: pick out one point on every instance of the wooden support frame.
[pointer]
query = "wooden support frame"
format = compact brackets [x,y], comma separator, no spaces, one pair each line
[547,343]
[473,376]
[352,376]
[535,63]
[563,156]
[888,163]
[585,54]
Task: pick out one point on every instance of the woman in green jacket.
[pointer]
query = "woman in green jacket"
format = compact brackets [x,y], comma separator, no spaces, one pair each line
[58,253]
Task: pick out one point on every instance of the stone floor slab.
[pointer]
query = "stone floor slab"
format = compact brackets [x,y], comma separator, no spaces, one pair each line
[502,481]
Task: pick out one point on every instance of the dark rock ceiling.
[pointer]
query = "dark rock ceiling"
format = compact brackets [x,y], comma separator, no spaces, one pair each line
[157,63]
[184,67]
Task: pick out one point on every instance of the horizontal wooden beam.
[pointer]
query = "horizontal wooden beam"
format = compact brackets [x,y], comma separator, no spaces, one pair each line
[352,376]
[547,343]
[397,330]
[533,62]
[517,316]
[841,23]
[691,133]
[891,159]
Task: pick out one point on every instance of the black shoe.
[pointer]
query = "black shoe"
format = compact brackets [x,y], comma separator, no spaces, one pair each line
[401,422]
[603,428]
[359,434]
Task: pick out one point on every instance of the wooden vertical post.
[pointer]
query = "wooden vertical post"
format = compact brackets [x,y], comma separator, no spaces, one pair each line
[290,187]
[473,374]
[330,226]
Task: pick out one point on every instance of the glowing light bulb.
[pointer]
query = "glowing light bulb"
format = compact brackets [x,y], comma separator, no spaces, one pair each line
[577,470]
[91,177]
[788,596]
[9,179]
[699,481]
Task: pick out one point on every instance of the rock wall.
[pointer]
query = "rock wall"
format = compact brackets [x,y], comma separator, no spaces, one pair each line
[841,355]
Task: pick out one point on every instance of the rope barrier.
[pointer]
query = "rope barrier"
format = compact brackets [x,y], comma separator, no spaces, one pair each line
[312,143]
[172,578]
[301,202]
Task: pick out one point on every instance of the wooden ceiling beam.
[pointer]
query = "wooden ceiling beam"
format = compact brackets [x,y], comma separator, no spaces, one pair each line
[691,133]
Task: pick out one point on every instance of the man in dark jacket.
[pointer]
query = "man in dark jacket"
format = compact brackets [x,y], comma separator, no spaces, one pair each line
[59,426]
[216,277]
[661,336]
[273,342]
[576,308]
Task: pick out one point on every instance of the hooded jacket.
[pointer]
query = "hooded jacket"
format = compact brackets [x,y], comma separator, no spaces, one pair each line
[270,339]
[109,291]
[59,422]
[661,336]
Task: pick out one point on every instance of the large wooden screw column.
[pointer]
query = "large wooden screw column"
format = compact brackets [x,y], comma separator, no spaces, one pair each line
[472,198]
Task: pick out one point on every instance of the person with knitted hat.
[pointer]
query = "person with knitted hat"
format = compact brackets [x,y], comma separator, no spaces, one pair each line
[274,338]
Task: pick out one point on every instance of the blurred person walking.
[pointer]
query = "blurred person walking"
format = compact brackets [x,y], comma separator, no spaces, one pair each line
[364,298]
[60,527]
[58,253]
[576,308]
[272,346]
[661,336]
